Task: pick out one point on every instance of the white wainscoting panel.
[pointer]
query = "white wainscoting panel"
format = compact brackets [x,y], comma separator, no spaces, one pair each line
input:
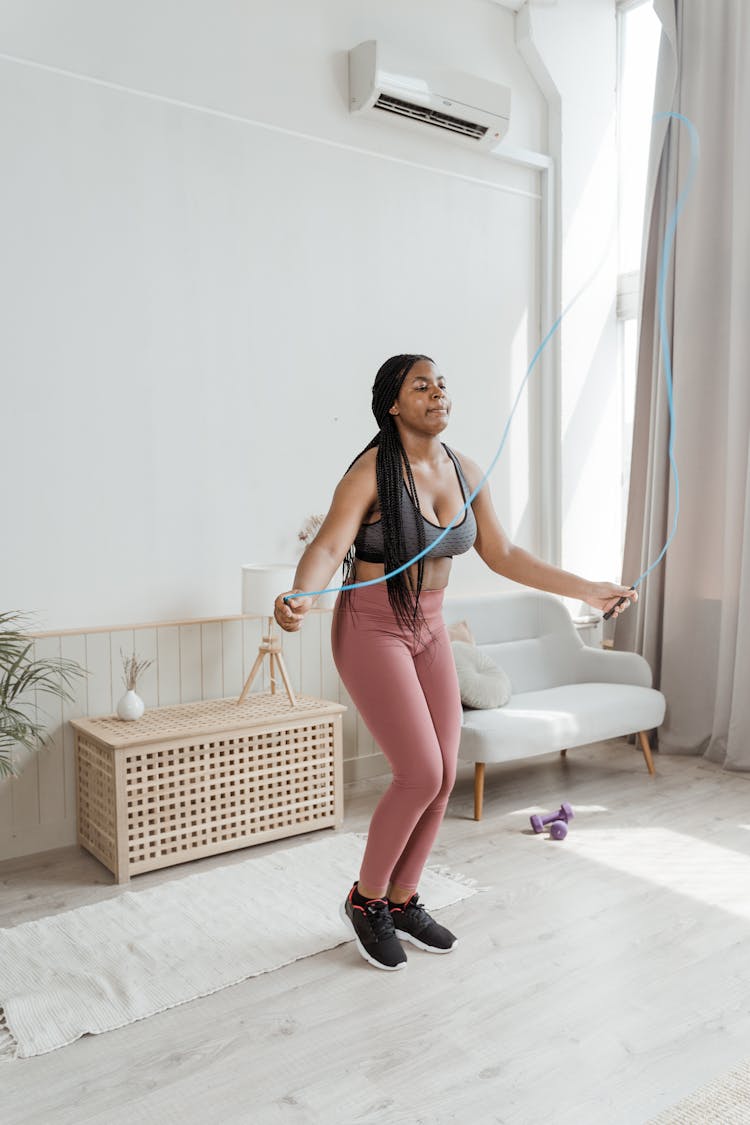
[190,660]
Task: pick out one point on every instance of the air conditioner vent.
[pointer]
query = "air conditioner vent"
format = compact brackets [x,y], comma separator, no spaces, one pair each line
[430,117]
[467,109]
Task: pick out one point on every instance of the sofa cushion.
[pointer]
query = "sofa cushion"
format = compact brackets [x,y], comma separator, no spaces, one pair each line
[542,722]
[482,683]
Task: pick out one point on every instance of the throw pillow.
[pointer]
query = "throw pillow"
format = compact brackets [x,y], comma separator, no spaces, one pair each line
[461,632]
[481,682]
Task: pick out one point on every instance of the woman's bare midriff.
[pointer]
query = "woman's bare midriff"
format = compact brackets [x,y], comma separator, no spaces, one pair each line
[435,577]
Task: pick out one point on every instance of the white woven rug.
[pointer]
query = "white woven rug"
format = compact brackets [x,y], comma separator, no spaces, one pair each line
[725,1101]
[103,966]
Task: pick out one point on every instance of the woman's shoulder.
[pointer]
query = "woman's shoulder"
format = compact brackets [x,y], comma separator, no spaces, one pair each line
[359,479]
[469,468]
[364,466]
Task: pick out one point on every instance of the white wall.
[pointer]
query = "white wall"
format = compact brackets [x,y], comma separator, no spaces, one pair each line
[196,304]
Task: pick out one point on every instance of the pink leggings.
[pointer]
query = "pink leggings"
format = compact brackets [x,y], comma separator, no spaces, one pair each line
[407,694]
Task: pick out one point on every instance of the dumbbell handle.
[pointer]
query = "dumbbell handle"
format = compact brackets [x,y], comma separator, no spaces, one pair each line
[538,822]
[565,813]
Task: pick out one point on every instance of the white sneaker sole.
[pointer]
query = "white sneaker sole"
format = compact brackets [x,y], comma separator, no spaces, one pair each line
[403,936]
[362,951]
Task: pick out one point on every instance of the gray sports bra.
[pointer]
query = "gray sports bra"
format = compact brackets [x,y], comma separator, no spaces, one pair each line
[368,546]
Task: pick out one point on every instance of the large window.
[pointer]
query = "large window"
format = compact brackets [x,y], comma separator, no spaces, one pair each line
[638,36]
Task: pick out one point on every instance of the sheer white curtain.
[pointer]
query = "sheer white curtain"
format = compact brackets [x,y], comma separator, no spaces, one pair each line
[692,622]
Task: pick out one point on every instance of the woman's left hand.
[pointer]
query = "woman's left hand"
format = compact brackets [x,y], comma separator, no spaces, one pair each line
[606,595]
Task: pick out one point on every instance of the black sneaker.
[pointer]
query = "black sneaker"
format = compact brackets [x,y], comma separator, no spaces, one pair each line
[413,923]
[374,934]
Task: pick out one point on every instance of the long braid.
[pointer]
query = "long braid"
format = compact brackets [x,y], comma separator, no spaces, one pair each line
[390,463]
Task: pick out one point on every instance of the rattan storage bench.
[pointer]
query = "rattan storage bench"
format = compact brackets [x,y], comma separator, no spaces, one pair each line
[202,778]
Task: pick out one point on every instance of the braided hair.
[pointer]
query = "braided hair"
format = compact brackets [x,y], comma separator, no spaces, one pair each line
[391,456]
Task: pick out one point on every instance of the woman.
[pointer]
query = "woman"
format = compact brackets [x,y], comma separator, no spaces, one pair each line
[390,643]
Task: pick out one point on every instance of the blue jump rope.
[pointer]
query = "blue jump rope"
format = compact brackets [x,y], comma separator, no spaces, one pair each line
[666,251]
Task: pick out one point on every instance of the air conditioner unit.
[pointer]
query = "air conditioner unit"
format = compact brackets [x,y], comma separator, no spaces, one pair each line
[386,80]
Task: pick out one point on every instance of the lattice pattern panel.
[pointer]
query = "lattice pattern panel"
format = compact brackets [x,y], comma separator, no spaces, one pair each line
[97,816]
[209,715]
[209,794]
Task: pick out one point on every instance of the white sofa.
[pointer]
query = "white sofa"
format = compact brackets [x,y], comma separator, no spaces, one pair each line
[564,693]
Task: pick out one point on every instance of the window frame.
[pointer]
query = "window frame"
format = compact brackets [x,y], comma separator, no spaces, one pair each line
[627,304]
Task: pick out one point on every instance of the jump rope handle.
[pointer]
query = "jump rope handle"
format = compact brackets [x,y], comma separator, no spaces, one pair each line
[623,599]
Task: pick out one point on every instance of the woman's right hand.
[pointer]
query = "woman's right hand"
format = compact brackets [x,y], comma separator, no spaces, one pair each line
[290,615]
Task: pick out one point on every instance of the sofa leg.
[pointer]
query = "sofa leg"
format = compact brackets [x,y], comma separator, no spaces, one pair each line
[478,789]
[643,739]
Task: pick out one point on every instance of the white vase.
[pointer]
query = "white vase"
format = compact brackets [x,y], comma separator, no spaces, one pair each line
[131,706]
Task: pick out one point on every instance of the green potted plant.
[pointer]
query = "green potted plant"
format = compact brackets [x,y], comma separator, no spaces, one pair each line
[21,722]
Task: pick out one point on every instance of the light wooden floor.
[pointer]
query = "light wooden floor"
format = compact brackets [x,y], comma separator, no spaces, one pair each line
[597,980]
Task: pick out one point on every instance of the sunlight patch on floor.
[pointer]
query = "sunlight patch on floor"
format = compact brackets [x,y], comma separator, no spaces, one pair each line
[708,873]
[579,810]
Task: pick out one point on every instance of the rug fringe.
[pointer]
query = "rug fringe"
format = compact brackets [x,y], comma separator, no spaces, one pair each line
[8,1045]
[456,876]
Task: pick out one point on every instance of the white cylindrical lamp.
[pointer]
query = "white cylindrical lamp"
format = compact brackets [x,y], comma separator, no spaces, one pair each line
[261,585]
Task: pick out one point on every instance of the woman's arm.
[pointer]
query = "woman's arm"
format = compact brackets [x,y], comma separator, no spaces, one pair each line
[503,557]
[355,495]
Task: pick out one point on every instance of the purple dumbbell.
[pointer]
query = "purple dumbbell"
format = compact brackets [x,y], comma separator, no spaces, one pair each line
[563,814]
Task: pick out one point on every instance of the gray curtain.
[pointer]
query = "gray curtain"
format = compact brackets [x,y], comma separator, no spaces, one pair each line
[692,622]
